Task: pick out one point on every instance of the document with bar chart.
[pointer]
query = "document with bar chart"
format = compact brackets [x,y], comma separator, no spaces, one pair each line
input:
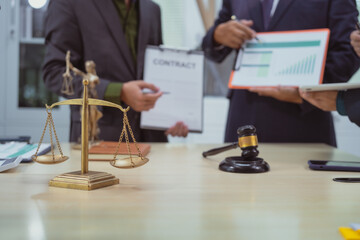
[289,58]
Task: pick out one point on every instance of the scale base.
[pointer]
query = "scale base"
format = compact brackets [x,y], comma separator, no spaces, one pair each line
[88,181]
[240,165]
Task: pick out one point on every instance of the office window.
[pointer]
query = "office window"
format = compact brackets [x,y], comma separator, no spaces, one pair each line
[32,91]
[172,21]
[183,27]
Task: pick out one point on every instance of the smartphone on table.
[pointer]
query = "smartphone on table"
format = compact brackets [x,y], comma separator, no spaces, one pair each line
[334,165]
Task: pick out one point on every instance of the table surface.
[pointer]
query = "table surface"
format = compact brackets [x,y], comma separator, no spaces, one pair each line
[181,195]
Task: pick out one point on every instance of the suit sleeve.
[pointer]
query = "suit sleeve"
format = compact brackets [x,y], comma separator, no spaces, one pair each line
[210,48]
[352,105]
[62,33]
[342,61]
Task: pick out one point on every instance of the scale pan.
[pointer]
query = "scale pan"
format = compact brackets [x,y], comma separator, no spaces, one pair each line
[49,159]
[126,162]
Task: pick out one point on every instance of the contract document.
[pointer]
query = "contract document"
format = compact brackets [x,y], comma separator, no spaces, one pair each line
[289,58]
[179,74]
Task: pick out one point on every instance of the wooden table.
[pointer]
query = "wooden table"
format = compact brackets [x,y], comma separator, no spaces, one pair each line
[180,195]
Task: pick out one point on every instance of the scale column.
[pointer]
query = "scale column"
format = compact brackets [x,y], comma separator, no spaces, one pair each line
[85,129]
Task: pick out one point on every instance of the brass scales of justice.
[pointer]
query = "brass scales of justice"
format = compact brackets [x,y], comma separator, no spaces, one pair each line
[85,179]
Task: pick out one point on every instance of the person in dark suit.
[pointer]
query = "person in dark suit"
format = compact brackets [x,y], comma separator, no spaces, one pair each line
[347,103]
[280,114]
[114,34]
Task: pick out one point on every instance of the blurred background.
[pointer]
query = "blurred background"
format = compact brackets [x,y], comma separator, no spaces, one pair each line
[184,23]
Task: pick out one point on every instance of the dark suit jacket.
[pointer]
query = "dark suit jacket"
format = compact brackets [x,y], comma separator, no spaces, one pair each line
[278,121]
[352,105]
[91,30]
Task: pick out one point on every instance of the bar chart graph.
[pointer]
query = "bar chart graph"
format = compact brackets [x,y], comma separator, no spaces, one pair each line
[305,66]
[258,61]
[293,44]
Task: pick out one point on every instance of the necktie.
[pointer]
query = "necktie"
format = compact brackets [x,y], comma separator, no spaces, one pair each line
[266,7]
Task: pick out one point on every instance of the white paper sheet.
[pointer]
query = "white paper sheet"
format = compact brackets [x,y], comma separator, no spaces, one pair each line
[289,58]
[179,74]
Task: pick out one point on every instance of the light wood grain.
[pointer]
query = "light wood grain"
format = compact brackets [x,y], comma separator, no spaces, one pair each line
[180,195]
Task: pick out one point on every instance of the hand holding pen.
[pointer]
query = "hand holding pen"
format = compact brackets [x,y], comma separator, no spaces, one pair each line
[233,17]
[234,33]
[132,94]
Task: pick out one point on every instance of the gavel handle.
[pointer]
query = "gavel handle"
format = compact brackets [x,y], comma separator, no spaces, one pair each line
[219,150]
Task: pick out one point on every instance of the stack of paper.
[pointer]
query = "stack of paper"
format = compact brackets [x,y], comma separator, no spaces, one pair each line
[26,151]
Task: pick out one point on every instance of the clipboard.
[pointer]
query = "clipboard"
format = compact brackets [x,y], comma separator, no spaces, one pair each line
[179,74]
[287,58]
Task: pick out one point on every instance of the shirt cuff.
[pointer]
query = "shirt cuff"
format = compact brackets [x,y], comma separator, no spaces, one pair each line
[340,103]
[113,93]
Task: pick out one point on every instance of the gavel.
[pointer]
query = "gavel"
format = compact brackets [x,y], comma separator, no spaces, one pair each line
[247,142]
[248,162]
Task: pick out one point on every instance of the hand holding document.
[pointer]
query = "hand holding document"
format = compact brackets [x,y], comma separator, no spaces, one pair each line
[179,76]
[289,58]
[281,93]
[325,100]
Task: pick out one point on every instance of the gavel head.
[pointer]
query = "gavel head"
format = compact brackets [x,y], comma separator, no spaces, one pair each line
[247,140]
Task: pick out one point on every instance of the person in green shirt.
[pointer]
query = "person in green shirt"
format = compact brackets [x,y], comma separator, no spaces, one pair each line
[114,34]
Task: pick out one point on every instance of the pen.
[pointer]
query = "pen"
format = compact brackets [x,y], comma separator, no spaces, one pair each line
[350,180]
[233,17]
